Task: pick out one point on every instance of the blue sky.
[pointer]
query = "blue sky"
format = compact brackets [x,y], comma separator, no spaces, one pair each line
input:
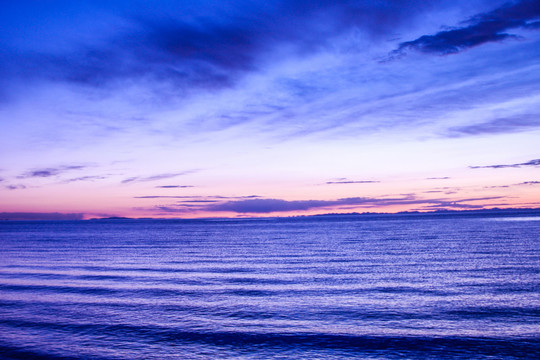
[189,109]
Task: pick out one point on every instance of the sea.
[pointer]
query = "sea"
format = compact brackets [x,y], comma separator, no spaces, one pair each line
[329,287]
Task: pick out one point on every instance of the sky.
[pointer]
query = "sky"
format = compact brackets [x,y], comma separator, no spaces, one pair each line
[195,109]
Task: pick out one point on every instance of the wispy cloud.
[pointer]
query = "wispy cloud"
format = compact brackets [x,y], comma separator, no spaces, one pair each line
[156,177]
[219,197]
[535,162]
[167,209]
[50,172]
[15,187]
[40,216]
[498,126]
[460,204]
[161,197]
[525,183]
[438,178]
[529,183]
[480,29]
[84,178]
[351,182]
[234,197]
[174,186]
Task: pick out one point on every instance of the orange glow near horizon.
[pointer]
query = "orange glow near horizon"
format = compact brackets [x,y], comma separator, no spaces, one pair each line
[305,197]
[347,117]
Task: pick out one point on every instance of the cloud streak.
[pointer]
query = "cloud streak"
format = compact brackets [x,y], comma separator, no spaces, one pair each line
[161,197]
[498,126]
[351,182]
[535,162]
[480,29]
[219,197]
[50,172]
[155,177]
[84,178]
[15,187]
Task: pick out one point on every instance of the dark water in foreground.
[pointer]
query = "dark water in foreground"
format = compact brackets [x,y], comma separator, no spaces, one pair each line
[394,288]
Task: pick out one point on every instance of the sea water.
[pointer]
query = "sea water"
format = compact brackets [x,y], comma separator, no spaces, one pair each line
[350,287]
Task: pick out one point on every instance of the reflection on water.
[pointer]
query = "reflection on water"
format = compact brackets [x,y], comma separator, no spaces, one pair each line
[520,218]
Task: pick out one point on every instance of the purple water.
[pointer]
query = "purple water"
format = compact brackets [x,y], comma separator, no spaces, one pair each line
[317,288]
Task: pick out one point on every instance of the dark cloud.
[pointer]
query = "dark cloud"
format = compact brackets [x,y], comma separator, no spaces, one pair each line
[174,186]
[529,183]
[535,162]
[15,187]
[498,126]
[279,205]
[40,216]
[41,173]
[49,172]
[204,45]
[154,177]
[267,206]
[480,29]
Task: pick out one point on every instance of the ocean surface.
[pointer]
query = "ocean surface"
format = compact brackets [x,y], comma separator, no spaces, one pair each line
[351,287]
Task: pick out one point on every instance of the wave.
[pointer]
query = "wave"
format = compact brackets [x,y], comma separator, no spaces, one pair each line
[440,347]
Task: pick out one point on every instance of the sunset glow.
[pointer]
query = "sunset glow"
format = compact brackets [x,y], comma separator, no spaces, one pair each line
[281,108]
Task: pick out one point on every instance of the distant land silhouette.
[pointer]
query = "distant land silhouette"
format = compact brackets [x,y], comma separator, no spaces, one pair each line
[511,212]
[495,212]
